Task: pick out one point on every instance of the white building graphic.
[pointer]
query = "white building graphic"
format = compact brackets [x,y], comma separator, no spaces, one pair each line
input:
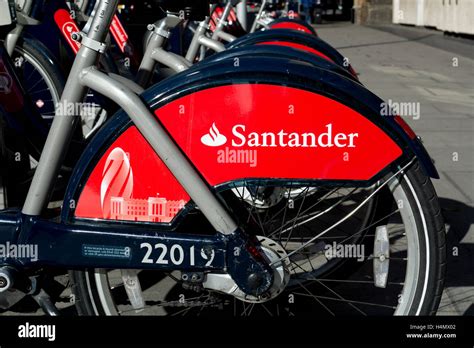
[117,191]
[153,209]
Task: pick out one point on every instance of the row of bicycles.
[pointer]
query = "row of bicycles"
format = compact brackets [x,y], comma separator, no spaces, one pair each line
[169,160]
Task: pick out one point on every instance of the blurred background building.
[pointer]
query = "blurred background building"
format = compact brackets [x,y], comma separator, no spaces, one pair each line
[453,16]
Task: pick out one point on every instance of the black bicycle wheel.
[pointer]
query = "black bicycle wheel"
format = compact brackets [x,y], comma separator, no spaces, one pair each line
[43,82]
[41,78]
[415,239]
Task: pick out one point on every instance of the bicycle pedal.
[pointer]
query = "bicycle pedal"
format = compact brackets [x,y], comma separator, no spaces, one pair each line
[44,301]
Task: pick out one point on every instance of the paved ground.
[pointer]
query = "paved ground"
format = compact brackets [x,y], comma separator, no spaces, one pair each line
[416,65]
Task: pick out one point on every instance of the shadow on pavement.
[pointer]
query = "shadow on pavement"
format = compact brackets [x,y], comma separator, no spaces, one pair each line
[460,254]
[386,42]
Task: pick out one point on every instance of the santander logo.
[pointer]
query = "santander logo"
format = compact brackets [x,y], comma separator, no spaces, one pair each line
[327,137]
[214,137]
[68,26]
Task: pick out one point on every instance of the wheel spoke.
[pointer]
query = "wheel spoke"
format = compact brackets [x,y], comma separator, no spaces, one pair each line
[345,300]
[297,214]
[338,296]
[318,301]
[314,216]
[33,71]
[345,217]
[371,282]
[305,220]
[40,91]
[31,87]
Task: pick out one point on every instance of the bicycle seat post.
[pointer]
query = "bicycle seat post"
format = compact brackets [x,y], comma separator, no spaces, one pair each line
[222,21]
[159,33]
[195,42]
[23,11]
[259,16]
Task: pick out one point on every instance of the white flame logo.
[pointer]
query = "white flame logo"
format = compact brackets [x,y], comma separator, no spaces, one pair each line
[117,179]
[214,138]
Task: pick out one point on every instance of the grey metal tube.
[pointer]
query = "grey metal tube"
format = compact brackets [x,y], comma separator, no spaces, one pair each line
[259,15]
[186,62]
[101,22]
[63,124]
[164,146]
[58,138]
[134,87]
[202,53]
[12,38]
[242,13]
[212,44]
[226,36]
[194,45]
[147,65]
[171,60]
[27,7]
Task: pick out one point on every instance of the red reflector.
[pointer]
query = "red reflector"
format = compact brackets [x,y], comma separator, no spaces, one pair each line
[406,128]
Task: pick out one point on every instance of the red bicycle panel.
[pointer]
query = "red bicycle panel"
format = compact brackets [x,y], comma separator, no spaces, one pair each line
[67,26]
[290,25]
[130,182]
[119,33]
[297,46]
[292,133]
[237,132]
